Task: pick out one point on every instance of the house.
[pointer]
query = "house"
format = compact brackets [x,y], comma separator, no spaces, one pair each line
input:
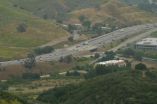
[119,63]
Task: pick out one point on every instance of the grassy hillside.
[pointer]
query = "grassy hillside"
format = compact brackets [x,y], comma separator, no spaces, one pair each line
[114,12]
[116,88]
[38,31]
[6,98]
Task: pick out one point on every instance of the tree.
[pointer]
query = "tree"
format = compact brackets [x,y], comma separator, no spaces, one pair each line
[43,50]
[66,59]
[140,66]
[143,68]
[129,52]
[82,18]
[3,86]
[109,56]
[97,28]
[22,27]
[97,55]
[71,28]
[87,24]
[30,61]
[70,39]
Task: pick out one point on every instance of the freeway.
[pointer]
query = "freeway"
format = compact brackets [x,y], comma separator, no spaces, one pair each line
[90,44]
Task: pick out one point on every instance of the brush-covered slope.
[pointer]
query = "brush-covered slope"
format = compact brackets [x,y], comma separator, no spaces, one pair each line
[115,88]
[6,98]
[55,8]
[115,11]
[15,42]
[148,5]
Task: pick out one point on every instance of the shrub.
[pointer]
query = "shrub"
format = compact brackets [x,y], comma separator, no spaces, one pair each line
[43,50]
[22,27]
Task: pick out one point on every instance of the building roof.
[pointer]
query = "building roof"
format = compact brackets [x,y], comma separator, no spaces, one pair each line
[111,62]
[148,41]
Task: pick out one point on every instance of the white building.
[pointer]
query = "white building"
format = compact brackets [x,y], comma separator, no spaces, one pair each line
[147,44]
[45,76]
[119,63]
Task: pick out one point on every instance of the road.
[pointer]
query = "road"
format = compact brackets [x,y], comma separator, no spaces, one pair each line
[133,39]
[90,44]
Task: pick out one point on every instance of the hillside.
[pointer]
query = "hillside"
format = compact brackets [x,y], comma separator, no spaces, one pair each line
[55,8]
[114,12]
[116,88]
[14,42]
[96,10]
[6,98]
[148,5]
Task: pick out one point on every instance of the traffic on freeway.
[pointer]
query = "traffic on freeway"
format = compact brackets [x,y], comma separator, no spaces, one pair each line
[89,44]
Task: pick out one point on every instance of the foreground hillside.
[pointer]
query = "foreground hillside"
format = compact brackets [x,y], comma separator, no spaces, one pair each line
[20,31]
[116,88]
[6,98]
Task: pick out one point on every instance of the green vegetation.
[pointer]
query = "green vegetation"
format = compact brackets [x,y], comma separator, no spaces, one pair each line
[114,13]
[30,76]
[30,62]
[6,98]
[21,31]
[126,87]
[143,4]
[141,66]
[43,50]
[100,70]
[109,55]
[138,53]
[57,9]
[7,53]
[154,34]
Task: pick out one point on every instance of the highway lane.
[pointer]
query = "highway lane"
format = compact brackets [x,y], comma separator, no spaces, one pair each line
[89,44]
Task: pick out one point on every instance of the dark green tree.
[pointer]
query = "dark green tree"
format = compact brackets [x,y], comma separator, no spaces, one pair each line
[30,61]
[87,24]
[143,68]
[71,28]
[82,18]
[140,66]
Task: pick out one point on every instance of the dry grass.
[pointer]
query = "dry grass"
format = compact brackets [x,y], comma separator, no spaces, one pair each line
[41,68]
[115,9]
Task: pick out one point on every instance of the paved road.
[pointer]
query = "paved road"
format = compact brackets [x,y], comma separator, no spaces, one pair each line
[90,44]
[133,39]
